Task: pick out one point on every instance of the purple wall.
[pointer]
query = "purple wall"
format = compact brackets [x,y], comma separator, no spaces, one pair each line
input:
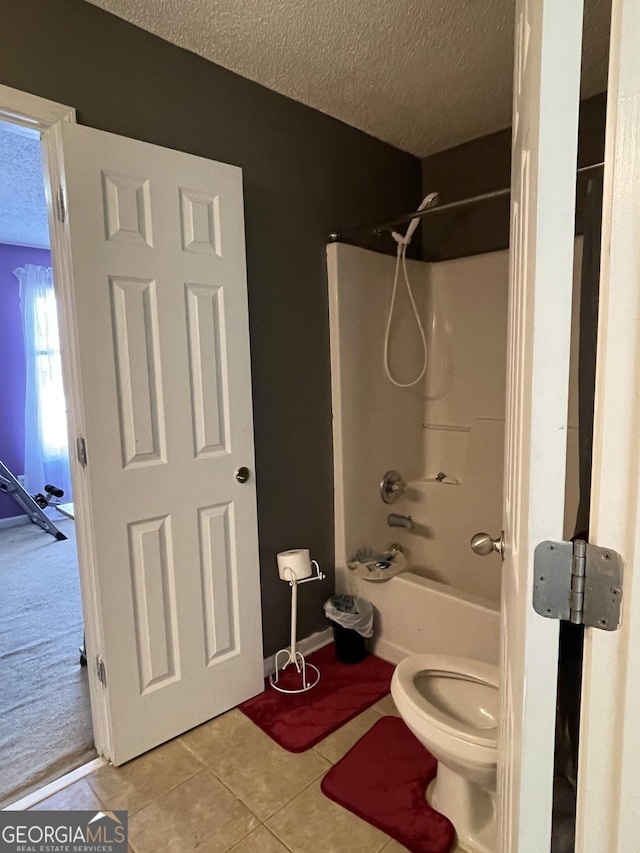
[12,378]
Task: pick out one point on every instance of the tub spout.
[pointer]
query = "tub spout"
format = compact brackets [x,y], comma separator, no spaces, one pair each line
[394,519]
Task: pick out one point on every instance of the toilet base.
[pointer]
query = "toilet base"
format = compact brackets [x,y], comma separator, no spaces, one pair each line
[470,808]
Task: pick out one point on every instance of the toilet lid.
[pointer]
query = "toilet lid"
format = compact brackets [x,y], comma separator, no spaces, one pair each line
[461,703]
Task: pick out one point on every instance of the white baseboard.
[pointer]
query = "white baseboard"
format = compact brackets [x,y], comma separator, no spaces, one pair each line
[14,521]
[390,652]
[52,788]
[305,647]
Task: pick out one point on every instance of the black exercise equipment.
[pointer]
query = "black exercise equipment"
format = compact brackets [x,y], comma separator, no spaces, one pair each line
[10,485]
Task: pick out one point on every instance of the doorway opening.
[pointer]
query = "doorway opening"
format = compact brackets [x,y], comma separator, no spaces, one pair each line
[45,713]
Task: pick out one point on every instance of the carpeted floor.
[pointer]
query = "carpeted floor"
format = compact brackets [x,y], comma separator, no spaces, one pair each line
[45,717]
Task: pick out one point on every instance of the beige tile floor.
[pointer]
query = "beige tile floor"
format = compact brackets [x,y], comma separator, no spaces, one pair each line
[226,786]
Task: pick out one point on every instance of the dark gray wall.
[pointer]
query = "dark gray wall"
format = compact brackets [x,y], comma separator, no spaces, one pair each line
[305,174]
[484,165]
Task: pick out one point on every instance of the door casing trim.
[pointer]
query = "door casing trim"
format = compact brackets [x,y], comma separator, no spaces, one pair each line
[47,117]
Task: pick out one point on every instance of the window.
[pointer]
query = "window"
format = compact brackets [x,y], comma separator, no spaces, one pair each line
[51,409]
[46,451]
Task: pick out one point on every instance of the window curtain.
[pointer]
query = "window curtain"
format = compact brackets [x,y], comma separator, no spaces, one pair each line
[46,451]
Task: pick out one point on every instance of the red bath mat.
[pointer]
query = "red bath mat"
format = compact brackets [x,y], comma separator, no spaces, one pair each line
[298,721]
[383,779]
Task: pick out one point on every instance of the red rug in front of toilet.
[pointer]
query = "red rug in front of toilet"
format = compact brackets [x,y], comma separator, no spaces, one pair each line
[383,780]
[297,721]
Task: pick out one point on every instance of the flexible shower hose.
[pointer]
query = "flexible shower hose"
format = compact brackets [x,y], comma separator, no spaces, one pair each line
[401,261]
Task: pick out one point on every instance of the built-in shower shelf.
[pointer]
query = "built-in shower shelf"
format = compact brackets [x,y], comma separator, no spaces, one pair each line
[429,482]
[447,427]
[445,453]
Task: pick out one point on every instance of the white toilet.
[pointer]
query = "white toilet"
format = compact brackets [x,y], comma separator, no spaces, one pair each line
[451,705]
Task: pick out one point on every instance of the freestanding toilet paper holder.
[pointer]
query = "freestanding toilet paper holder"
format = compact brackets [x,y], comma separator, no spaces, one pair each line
[292,655]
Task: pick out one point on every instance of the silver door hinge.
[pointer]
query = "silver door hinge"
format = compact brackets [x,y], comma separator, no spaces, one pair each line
[81,448]
[101,671]
[61,203]
[577,582]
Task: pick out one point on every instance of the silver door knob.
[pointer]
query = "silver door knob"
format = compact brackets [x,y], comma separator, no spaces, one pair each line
[482,544]
[242,474]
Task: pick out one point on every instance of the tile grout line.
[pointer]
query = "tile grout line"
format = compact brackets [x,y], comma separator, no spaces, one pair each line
[304,788]
[324,771]
[188,748]
[271,829]
[238,798]
[255,829]
[271,814]
[289,801]
[277,837]
[378,716]
[242,837]
[226,787]
[155,799]
[260,821]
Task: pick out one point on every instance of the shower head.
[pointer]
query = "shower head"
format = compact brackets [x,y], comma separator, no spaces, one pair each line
[429,201]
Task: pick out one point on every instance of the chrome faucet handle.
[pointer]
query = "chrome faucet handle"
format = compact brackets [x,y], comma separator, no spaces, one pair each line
[391,487]
[482,544]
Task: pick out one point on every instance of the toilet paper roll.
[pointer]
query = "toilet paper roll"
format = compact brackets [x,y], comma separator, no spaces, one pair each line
[294,564]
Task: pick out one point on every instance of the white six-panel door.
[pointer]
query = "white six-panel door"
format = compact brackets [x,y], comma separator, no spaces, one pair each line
[160,301]
[545,126]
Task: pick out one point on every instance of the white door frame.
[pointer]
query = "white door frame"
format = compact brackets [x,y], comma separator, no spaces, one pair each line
[608,814]
[47,117]
[545,136]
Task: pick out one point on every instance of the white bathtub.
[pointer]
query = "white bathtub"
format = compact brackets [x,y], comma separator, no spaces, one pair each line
[416,615]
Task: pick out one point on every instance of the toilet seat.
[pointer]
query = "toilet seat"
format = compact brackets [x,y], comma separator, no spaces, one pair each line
[429,703]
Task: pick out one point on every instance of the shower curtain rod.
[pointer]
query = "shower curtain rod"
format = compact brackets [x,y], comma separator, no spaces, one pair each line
[378,229]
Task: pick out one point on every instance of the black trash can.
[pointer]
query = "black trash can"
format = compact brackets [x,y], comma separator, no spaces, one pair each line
[351,647]
[352,622]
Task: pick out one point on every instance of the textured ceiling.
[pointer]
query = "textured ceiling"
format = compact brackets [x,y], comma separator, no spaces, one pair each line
[23,208]
[424,75]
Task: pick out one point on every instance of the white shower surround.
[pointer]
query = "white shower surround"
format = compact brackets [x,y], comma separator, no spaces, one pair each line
[449,601]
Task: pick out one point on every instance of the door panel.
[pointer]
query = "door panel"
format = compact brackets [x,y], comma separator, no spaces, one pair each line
[157,241]
[545,128]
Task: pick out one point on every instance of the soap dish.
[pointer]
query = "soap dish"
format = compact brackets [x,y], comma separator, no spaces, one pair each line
[388,565]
